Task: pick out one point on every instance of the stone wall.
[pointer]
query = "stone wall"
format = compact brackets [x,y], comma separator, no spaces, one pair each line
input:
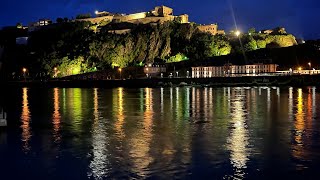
[97,20]
[148,20]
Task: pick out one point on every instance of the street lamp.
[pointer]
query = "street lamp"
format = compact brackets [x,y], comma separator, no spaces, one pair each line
[55,71]
[187,74]
[309,65]
[120,70]
[96,12]
[237,33]
[147,74]
[24,70]
[299,68]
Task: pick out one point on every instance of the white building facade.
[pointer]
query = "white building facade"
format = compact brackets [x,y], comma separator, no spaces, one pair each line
[233,70]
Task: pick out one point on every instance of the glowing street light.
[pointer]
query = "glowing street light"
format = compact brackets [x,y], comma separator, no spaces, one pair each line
[237,33]
[24,70]
[120,70]
[55,71]
[96,12]
[300,68]
[309,65]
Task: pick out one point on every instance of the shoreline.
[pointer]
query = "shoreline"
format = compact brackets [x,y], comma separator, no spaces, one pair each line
[294,80]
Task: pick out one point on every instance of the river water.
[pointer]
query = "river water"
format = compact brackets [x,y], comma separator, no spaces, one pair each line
[161,133]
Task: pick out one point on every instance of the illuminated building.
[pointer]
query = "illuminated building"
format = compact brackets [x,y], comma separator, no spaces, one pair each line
[211,28]
[233,70]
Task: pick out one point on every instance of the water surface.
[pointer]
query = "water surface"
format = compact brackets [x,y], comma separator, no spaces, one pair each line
[178,133]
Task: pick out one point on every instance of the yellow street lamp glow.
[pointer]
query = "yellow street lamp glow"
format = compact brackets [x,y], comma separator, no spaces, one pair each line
[55,69]
[24,70]
[309,64]
[120,69]
[237,33]
[299,68]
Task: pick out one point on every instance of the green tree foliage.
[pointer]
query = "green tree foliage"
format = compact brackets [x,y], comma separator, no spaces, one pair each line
[78,45]
[177,58]
[204,45]
[251,31]
[19,25]
[261,44]
[59,20]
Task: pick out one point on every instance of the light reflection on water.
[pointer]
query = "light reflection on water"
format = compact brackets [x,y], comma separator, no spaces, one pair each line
[175,132]
[25,119]
[238,140]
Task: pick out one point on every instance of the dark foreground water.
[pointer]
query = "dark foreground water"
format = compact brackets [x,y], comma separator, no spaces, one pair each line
[162,133]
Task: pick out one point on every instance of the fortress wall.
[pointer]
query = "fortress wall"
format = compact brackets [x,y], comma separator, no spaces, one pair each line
[152,20]
[97,19]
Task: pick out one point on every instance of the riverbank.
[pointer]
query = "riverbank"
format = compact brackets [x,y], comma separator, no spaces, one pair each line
[295,80]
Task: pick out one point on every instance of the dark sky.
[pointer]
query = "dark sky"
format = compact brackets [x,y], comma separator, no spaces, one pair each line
[300,17]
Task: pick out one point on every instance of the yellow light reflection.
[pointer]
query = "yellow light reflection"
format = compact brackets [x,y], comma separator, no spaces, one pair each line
[238,141]
[56,117]
[120,115]
[25,118]
[142,139]
[95,106]
[298,150]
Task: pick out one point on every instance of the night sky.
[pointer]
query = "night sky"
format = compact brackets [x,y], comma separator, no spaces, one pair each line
[300,17]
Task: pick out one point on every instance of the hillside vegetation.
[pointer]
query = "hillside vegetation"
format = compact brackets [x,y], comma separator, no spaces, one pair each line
[74,45]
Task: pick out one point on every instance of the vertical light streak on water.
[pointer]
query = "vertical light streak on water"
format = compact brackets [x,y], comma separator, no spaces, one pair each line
[229,98]
[278,95]
[171,97]
[205,105]
[259,91]
[314,105]
[299,127]
[25,120]
[290,104]
[211,102]
[120,114]
[56,116]
[238,141]
[198,103]
[269,99]
[178,108]
[161,100]
[141,100]
[193,105]
[140,143]
[99,165]
[187,103]
[64,100]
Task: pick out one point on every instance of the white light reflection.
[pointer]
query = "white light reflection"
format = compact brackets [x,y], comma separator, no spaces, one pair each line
[238,141]
[290,104]
[99,165]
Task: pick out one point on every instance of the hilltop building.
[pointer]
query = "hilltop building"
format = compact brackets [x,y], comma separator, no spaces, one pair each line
[211,28]
[279,30]
[40,23]
[159,14]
